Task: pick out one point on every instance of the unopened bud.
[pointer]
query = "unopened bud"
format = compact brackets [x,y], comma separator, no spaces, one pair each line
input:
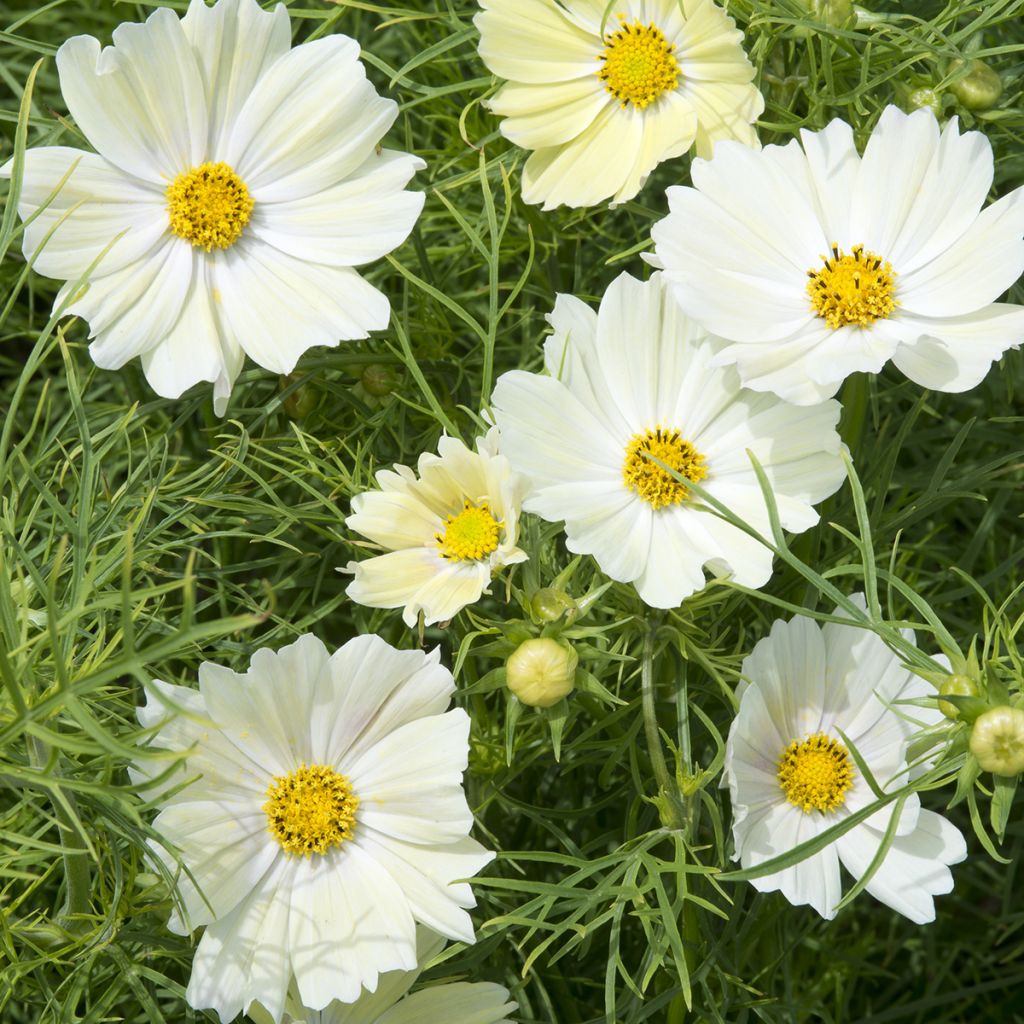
[550,604]
[833,13]
[299,402]
[541,672]
[955,686]
[997,741]
[926,97]
[379,380]
[980,88]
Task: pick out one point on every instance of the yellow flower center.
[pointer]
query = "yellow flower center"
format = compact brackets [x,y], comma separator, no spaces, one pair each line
[208,206]
[639,64]
[311,809]
[816,774]
[648,479]
[852,290]
[469,535]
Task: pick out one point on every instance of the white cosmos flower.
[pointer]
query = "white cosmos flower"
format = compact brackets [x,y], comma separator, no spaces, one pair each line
[452,1003]
[604,93]
[815,262]
[632,380]
[325,818]
[236,182]
[448,531]
[813,692]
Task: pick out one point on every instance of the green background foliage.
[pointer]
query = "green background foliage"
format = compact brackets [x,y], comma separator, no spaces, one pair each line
[139,537]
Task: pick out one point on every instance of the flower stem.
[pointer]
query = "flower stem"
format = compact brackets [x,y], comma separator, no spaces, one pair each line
[670,805]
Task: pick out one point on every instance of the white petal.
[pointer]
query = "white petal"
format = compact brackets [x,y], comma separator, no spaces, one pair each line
[575,330]
[593,167]
[956,353]
[813,881]
[393,518]
[310,121]
[279,306]
[198,347]
[234,43]
[349,921]
[378,689]
[251,708]
[975,270]
[534,41]
[915,868]
[244,957]
[139,102]
[549,114]
[952,192]
[833,164]
[426,875]
[111,209]
[410,783]
[549,436]
[351,223]
[673,568]
[895,165]
[226,849]
[134,309]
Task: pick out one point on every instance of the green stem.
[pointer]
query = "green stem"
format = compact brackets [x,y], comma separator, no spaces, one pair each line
[669,804]
[77,877]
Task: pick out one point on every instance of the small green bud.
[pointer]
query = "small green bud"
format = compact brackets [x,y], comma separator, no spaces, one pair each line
[833,13]
[980,88]
[379,380]
[541,672]
[955,686]
[298,404]
[997,741]
[550,604]
[926,97]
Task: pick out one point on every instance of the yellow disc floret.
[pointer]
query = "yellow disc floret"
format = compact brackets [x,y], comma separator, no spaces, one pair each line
[311,809]
[639,64]
[648,479]
[852,290]
[469,535]
[209,206]
[816,773]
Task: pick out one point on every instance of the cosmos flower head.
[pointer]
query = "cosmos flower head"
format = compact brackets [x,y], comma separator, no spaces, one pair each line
[236,183]
[324,819]
[812,695]
[814,262]
[630,384]
[601,94]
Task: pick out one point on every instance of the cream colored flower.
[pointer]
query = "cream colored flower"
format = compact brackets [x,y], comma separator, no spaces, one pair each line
[603,93]
[631,382]
[236,183]
[812,692]
[448,531]
[815,262]
[325,816]
[448,1003]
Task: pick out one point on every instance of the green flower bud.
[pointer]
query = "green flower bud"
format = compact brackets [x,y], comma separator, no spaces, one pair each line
[298,404]
[955,686]
[833,13]
[550,604]
[541,672]
[997,741]
[379,380]
[980,88]
[925,96]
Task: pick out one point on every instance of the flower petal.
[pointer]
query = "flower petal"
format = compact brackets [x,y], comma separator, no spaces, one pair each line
[311,120]
[139,102]
[234,42]
[346,225]
[279,306]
